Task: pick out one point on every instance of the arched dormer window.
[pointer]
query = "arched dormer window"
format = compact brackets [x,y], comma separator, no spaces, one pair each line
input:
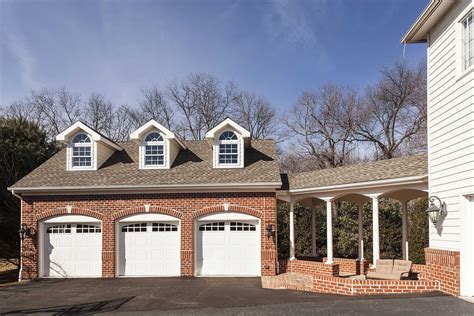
[228,149]
[81,151]
[154,150]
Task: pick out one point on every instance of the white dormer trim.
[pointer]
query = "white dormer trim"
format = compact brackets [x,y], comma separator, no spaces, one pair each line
[229,124]
[79,126]
[171,144]
[152,124]
[243,141]
[101,147]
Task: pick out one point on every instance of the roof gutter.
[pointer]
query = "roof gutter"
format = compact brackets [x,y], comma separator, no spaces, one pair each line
[419,30]
[368,184]
[150,188]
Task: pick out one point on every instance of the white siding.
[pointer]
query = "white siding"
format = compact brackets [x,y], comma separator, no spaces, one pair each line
[450,126]
[103,153]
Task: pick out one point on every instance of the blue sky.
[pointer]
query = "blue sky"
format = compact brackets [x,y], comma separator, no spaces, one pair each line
[274,48]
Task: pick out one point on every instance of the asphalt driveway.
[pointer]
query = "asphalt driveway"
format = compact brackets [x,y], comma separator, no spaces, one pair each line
[205,296]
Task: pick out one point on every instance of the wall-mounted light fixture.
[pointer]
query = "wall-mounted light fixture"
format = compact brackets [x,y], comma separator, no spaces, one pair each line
[268,230]
[436,212]
[24,231]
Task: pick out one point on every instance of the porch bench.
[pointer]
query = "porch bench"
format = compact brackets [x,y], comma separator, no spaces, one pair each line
[388,269]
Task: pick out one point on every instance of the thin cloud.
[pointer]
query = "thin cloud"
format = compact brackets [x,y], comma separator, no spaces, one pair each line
[16,44]
[294,21]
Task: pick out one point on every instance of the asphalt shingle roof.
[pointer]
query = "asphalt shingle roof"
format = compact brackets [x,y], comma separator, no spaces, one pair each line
[191,166]
[402,167]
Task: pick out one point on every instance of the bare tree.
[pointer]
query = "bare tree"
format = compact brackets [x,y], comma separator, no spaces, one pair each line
[44,102]
[321,123]
[254,113]
[51,109]
[20,110]
[123,124]
[202,103]
[69,105]
[393,111]
[98,113]
[155,106]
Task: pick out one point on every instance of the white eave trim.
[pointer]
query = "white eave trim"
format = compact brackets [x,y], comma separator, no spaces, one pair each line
[76,127]
[237,187]
[360,185]
[152,124]
[222,125]
[433,11]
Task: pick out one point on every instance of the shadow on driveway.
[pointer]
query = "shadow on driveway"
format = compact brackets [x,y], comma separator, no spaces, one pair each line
[87,308]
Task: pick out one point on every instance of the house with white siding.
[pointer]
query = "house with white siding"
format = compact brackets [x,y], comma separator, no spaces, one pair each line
[446,26]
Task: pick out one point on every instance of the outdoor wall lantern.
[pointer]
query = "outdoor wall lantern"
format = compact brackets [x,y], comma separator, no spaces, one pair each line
[268,230]
[436,212]
[24,231]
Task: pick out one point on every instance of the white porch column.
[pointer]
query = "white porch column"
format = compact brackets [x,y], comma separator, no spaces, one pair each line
[330,258]
[361,232]
[375,230]
[292,231]
[404,230]
[313,230]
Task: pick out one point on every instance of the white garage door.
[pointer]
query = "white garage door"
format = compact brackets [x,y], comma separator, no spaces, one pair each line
[149,249]
[228,248]
[72,250]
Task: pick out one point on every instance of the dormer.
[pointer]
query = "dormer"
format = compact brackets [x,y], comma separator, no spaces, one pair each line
[86,149]
[158,146]
[228,141]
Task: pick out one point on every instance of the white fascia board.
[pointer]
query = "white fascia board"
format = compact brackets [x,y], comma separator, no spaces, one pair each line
[228,187]
[152,124]
[433,12]
[227,122]
[79,126]
[360,185]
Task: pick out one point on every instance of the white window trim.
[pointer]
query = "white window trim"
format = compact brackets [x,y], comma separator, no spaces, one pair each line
[69,155]
[164,143]
[459,33]
[240,150]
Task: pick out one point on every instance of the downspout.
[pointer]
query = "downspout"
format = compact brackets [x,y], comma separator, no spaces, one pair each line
[21,241]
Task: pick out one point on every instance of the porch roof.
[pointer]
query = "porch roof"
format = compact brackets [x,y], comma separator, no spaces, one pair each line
[392,169]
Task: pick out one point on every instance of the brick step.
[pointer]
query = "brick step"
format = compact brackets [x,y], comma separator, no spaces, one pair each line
[290,280]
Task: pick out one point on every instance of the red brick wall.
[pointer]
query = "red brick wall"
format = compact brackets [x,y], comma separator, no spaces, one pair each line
[309,267]
[185,206]
[441,273]
[352,266]
[325,284]
[442,266]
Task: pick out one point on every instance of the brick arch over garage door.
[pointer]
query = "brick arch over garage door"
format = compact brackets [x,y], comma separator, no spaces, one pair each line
[69,211]
[149,209]
[226,208]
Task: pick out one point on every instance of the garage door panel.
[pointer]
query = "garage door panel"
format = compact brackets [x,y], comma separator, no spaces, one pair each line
[228,248]
[149,249]
[69,252]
